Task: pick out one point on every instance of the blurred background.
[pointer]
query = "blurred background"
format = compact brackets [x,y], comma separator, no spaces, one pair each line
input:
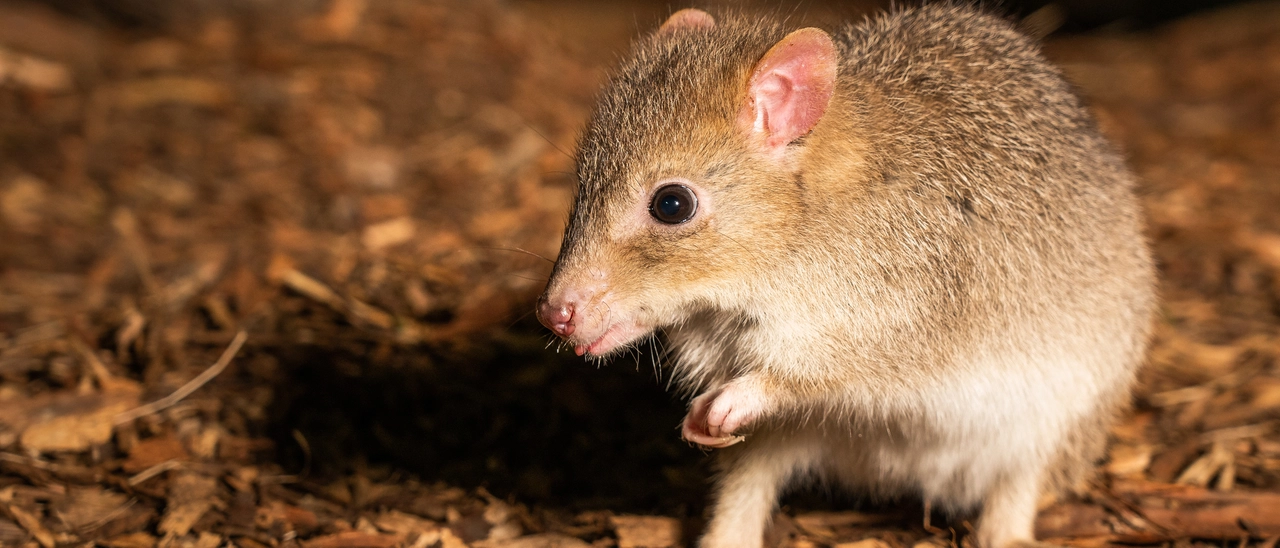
[372,191]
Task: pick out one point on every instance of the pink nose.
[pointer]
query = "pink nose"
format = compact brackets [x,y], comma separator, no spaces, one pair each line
[558,317]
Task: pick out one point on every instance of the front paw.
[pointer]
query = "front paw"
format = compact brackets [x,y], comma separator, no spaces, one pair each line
[715,416]
[694,429]
[736,407]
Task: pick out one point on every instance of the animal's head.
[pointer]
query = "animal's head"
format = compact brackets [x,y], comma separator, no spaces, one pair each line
[688,177]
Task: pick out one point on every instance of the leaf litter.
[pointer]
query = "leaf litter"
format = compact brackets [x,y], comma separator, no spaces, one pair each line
[187,203]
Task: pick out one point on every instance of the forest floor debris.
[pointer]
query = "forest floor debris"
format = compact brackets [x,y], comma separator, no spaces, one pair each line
[344,206]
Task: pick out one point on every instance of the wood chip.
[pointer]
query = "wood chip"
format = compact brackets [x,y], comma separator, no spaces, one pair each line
[76,422]
[33,72]
[1067,520]
[864,543]
[130,540]
[190,496]
[388,233]
[139,94]
[1204,468]
[153,451]
[545,540]
[646,531]
[1240,432]
[842,519]
[1180,396]
[450,540]
[354,539]
[1201,513]
[208,540]
[397,522]
[32,524]
[1129,460]
[12,534]
[85,509]
[295,518]
[306,285]
[1169,463]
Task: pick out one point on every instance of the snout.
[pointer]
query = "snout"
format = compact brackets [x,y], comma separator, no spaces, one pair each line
[557,314]
[586,314]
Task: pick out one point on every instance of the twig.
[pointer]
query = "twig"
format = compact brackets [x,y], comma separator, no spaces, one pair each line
[126,224]
[154,471]
[1223,435]
[96,367]
[1201,513]
[29,461]
[191,386]
[68,473]
[1131,514]
[316,290]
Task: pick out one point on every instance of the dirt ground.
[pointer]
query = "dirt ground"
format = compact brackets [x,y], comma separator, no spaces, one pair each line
[267,269]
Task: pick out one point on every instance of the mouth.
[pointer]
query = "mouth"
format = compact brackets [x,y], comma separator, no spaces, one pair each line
[613,338]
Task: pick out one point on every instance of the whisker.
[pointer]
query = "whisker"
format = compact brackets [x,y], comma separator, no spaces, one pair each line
[516,249]
[549,141]
[530,278]
[522,316]
[747,249]
[653,355]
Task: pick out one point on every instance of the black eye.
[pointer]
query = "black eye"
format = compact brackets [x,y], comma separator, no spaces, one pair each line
[673,204]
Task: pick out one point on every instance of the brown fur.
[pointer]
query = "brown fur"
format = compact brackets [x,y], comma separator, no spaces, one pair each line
[953,227]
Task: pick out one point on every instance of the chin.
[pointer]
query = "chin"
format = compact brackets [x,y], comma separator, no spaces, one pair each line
[616,337]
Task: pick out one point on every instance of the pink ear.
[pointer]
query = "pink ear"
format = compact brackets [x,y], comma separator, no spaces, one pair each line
[688,18]
[790,88]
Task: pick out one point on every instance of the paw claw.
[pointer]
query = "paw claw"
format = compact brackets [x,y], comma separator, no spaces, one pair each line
[715,416]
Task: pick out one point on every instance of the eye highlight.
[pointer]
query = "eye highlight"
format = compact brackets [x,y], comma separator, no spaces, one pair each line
[673,204]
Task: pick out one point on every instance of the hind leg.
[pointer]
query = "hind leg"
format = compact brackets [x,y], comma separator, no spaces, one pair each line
[1009,511]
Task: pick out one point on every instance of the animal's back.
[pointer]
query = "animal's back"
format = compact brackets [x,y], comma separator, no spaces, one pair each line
[1019,220]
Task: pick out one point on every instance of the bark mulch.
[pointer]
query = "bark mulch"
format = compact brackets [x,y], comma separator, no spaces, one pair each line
[266,268]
